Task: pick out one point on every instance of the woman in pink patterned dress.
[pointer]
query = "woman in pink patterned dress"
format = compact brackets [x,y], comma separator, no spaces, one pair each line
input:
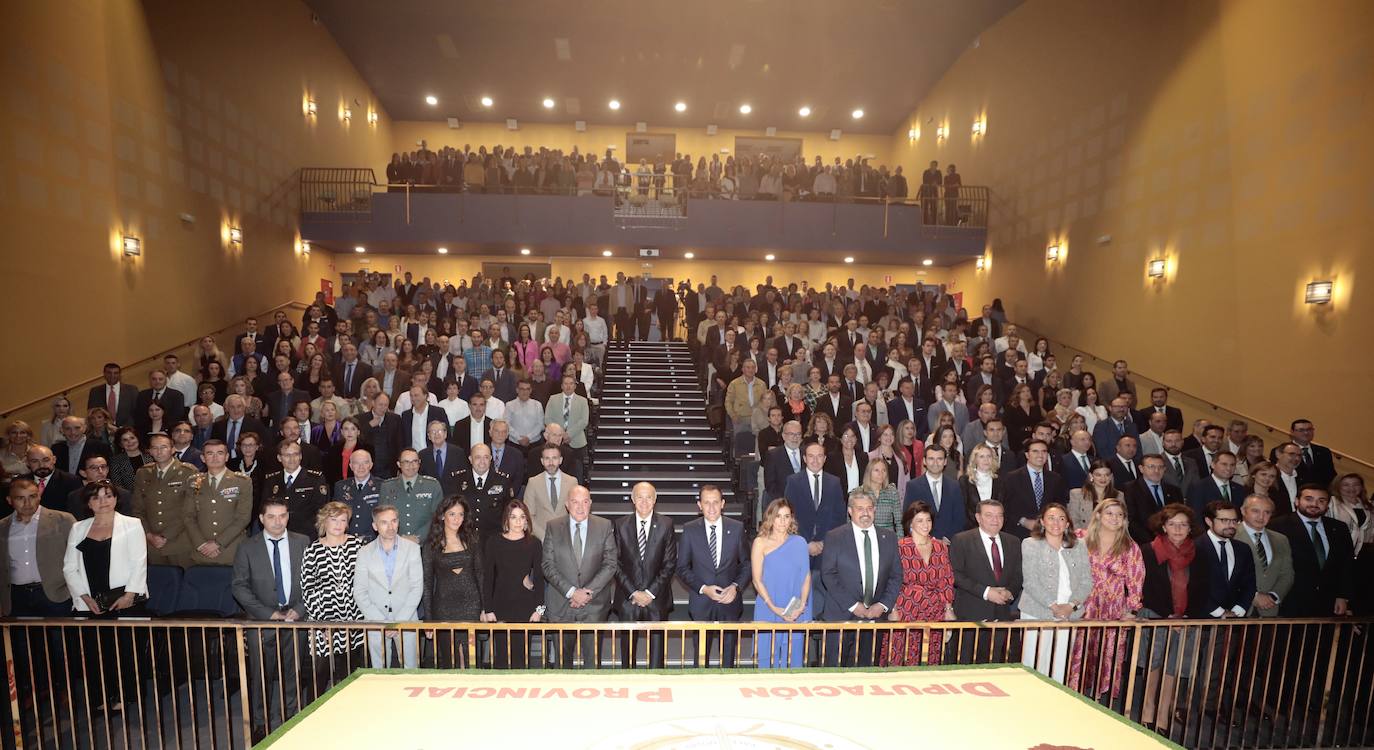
[927,591]
[1099,654]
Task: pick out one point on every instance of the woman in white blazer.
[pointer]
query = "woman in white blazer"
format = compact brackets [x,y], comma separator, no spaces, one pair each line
[106,568]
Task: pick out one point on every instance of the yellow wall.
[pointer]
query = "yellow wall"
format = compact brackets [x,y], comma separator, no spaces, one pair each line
[121,115]
[1230,138]
[564,136]
[729,273]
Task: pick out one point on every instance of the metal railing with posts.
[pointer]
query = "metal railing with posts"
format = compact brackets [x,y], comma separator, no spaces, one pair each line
[199,683]
[343,193]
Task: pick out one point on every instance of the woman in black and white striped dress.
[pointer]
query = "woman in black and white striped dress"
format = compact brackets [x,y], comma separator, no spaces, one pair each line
[327,586]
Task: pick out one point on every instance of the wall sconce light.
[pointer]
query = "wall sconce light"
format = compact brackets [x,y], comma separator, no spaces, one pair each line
[1155,268]
[305,247]
[942,132]
[372,117]
[1052,253]
[347,114]
[980,263]
[134,246]
[980,127]
[235,236]
[310,107]
[912,134]
[1318,293]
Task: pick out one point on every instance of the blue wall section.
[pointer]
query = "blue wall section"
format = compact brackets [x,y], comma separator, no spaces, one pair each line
[589,221]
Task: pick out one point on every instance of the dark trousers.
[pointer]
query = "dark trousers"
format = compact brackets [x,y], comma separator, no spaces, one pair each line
[584,645]
[451,649]
[623,325]
[509,650]
[727,643]
[631,647]
[39,656]
[273,684]
[840,648]
[982,646]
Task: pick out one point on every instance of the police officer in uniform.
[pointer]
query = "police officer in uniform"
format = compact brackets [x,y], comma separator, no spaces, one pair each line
[361,493]
[160,492]
[486,490]
[218,508]
[414,495]
[304,491]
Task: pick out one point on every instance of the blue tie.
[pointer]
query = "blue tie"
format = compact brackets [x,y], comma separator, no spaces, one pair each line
[1038,485]
[1159,499]
[276,572]
[439,462]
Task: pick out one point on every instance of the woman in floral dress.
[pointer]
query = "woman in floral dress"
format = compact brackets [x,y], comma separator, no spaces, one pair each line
[1098,660]
[927,590]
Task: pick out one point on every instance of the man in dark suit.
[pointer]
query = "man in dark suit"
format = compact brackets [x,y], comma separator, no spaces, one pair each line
[507,457]
[861,578]
[261,343]
[940,491]
[443,460]
[788,344]
[1076,462]
[1180,470]
[1218,485]
[986,375]
[350,372]
[54,484]
[1111,429]
[1147,496]
[393,380]
[420,409]
[486,490]
[1026,490]
[836,403]
[303,491]
[1318,466]
[1211,443]
[1221,585]
[782,462]
[987,579]
[282,401]
[665,305]
[236,423]
[267,585]
[382,430]
[71,453]
[907,406]
[830,362]
[114,396]
[1124,463]
[647,544]
[96,468]
[291,433]
[1159,402]
[816,516]
[713,563]
[1323,557]
[172,401]
[501,377]
[468,383]
[463,429]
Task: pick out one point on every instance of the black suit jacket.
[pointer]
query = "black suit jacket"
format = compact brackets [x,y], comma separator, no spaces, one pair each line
[311,458]
[361,371]
[1141,504]
[385,440]
[777,468]
[279,404]
[220,430]
[60,486]
[92,448]
[1205,490]
[406,422]
[652,573]
[455,463]
[973,574]
[1018,497]
[834,466]
[461,434]
[1316,588]
[128,397]
[1173,418]
[1208,585]
[841,416]
[1321,471]
[1120,476]
[173,407]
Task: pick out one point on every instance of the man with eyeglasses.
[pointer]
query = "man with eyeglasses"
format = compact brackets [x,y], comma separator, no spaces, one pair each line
[413,494]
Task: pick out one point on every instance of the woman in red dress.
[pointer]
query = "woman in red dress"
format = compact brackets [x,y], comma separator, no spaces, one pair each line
[927,591]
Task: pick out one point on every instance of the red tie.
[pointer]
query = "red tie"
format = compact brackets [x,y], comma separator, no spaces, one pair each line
[110,401]
[996,560]
[42,485]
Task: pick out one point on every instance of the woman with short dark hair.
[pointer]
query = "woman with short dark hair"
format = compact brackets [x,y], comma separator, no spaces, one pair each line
[927,593]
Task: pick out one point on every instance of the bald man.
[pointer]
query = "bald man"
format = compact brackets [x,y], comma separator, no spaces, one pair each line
[647,545]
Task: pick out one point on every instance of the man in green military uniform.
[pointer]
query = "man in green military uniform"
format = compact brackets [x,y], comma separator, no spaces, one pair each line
[304,491]
[361,493]
[160,492]
[218,509]
[414,495]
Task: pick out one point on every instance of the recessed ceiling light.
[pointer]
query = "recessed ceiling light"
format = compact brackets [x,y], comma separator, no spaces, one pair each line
[606,253]
[769,256]
[548,103]
[680,106]
[804,111]
[745,109]
[443,251]
[927,262]
[613,104]
[486,101]
[857,114]
[849,259]
[360,249]
[689,255]
[524,251]
[431,100]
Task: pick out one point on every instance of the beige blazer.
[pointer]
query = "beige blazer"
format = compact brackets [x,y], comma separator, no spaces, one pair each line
[542,508]
[53,528]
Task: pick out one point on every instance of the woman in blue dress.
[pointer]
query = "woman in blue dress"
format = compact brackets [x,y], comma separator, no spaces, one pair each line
[782,572]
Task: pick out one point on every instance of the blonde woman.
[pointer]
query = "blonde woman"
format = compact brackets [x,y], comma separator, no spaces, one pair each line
[327,570]
[1118,575]
[50,430]
[782,576]
[980,482]
[18,440]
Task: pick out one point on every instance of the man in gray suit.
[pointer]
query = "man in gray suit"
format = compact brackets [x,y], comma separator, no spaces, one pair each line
[267,584]
[1179,470]
[580,560]
[390,595]
[31,580]
[1274,578]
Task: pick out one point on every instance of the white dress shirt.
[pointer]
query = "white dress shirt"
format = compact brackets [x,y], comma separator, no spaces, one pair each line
[863,562]
[418,429]
[1230,547]
[285,547]
[23,543]
[987,550]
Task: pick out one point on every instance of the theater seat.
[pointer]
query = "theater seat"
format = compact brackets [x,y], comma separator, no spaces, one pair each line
[205,589]
[164,588]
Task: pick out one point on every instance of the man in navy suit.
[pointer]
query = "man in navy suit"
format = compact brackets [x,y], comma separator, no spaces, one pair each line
[1221,583]
[782,461]
[1026,490]
[1075,463]
[861,579]
[1117,423]
[1146,496]
[907,406]
[506,457]
[713,561]
[1318,466]
[1159,403]
[441,459]
[413,435]
[1218,485]
[114,393]
[350,372]
[1124,462]
[501,376]
[816,516]
[947,500]
[281,401]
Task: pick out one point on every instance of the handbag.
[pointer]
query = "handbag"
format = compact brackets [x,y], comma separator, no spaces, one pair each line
[107,599]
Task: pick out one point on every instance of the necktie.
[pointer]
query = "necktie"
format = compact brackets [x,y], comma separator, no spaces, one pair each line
[496,457]
[816,484]
[935,492]
[1038,485]
[110,400]
[1263,553]
[290,480]
[1226,491]
[1306,455]
[160,474]
[1317,544]
[409,486]
[214,485]
[1159,498]
[996,560]
[868,567]
[577,542]
[1224,562]
[553,492]
[480,482]
[233,437]
[348,378]
[1084,460]
[439,462]
[277,572]
[714,547]
[42,485]
[796,464]
[643,538]
[1130,468]
[997,454]
[1178,465]
[567,410]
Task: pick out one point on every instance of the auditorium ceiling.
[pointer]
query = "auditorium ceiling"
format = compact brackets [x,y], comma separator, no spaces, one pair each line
[713,56]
